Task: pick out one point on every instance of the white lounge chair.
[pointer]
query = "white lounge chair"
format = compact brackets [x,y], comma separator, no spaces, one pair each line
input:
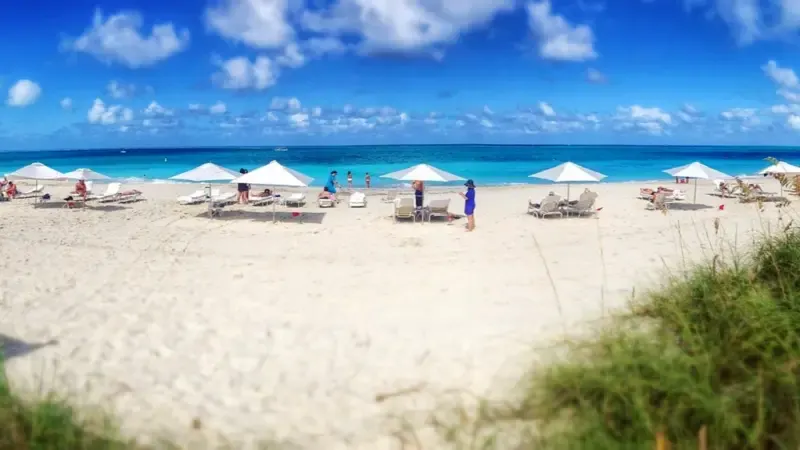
[358,200]
[438,208]
[36,191]
[548,207]
[261,200]
[194,198]
[326,202]
[583,207]
[404,208]
[222,199]
[110,195]
[298,198]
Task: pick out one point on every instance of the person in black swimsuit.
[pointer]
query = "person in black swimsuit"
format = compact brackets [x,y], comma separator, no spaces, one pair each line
[244,190]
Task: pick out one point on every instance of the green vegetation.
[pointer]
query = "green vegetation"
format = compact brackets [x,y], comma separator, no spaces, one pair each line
[718,349]
[48,424]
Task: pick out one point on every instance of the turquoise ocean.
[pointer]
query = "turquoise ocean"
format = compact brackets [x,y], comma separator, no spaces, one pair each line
[486,164]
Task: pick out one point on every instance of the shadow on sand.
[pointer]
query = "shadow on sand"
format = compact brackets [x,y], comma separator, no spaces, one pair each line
[12,348]
[266,216]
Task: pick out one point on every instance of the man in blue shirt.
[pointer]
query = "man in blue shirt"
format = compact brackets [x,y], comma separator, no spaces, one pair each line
[331,183]
[469,204]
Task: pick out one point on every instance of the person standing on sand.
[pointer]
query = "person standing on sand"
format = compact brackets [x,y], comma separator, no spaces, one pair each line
[419,193]
[367,180]
[349,180]
[244,190]
[469,204]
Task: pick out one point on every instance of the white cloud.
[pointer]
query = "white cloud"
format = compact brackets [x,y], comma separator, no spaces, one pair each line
[239,73]
[195,107]
[66,104]
[257,23]
[793,121]
[639,113]
[324,45]
[291,57]
[751,20]
[108,115]
[595,76]
[218,108]
[299,120]
[654,128]
[557,38]
[486,123]
[738,114]
[283,103]
[117,39]
[404,25]
[793,97]
[782,76]
[487,110]
[117,90]
[156,110]
[23,93]
[546,109]
[316,111]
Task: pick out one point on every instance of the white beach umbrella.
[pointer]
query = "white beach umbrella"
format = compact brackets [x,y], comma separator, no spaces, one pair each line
[207,172]
[275,174]
[696,170]
[568,172]
[782,167]
[423,172]
[38,171]
[85,174]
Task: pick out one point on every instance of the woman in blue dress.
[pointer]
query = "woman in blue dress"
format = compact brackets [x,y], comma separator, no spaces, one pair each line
[469,204]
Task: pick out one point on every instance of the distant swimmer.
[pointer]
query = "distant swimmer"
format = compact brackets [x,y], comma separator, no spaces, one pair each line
[165,159]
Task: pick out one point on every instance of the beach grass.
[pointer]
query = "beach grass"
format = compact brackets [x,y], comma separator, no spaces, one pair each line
[50,423]
[710,360]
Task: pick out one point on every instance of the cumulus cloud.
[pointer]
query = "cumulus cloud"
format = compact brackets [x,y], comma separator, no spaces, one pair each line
[782,76]
[299,120]
[102,114]
[403,26]
[23,93]
[218,108]
[118,39]
[240,73]
[558,39]
[118,90]
[752,20]
[66,104]
[649,120]
[546,109]
[156,110]
[595,76]
[257,23]
[793,121]
[285,104]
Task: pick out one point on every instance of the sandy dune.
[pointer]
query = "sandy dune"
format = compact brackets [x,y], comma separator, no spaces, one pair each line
[290,330]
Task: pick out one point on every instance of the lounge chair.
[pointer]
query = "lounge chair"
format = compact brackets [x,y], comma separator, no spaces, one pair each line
[222,199]
[391,196]
[676,195]
[110,195]
[30,192]
[298,199]
[404,208]
[583,207]
[261,200]
[358,200]
[659,203]
[438,208]
[326,202]
[194,198]
[548,207]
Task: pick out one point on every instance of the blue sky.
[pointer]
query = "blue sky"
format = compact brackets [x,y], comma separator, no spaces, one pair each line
[121,73]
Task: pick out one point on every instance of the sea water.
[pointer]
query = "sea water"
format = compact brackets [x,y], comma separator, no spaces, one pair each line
[486,164]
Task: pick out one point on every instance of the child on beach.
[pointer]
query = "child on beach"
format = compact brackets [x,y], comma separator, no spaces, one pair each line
[367,180]
[349,180]
[243,189]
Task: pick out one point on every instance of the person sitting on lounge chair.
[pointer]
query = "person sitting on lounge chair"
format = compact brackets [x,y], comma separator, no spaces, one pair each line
[267,192]
[80,189]
[11,190]
[326,194]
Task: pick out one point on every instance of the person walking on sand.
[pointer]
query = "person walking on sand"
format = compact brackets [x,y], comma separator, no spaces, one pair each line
[349,180]
[367,180]
[469,204]
[419,193]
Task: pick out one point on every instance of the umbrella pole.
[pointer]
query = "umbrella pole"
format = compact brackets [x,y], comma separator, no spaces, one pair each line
[274,214]
[568,191]
[209,202]
[695,191]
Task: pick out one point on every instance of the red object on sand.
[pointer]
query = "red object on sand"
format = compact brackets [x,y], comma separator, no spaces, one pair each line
[295,214]
[722,207]
[600,208]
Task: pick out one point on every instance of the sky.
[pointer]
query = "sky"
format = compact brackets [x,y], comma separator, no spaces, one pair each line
[124,73]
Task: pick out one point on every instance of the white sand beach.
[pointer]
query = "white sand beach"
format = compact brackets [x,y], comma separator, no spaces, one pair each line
[289,331]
